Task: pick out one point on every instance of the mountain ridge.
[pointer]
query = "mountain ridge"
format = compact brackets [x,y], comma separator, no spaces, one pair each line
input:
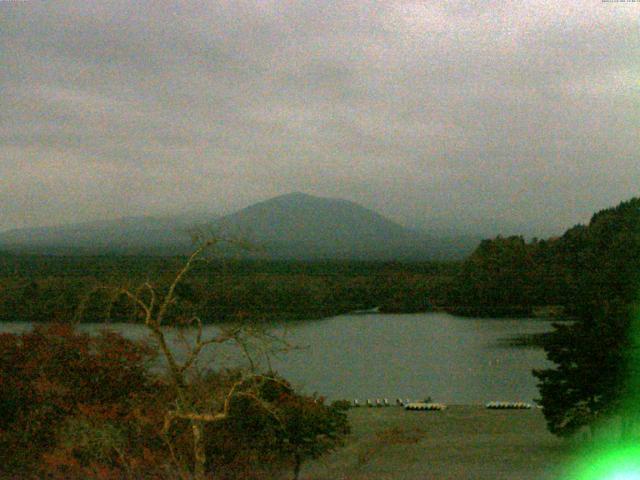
[290,226]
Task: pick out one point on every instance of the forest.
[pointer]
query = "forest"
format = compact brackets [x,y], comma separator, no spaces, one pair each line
[509,276]
[40,288]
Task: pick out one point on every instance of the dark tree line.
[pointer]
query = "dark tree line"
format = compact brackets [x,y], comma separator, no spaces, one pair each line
[596,356]
[508,276]
[41,289]
[592,273]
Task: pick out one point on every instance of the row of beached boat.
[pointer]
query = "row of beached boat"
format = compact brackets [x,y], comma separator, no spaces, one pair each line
[508,405]
[425,406]
[428,405]
[384,402]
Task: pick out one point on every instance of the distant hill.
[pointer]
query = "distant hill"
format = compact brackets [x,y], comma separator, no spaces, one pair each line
[134,235]
[292,226]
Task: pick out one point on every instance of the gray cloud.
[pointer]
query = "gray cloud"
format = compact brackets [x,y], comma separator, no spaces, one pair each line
[471,115]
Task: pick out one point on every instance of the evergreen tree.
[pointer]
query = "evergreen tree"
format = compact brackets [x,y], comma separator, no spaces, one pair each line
[595,355]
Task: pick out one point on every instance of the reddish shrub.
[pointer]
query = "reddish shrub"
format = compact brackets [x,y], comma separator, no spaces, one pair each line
[54,380]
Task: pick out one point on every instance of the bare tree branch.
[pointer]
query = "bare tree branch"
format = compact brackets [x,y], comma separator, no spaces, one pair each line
[155,308]
[169,298]
[200,344]
[233,392]
[152,291]
[136,299]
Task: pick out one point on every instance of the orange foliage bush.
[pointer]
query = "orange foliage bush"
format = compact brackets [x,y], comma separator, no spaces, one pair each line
[68,404]
[76,406]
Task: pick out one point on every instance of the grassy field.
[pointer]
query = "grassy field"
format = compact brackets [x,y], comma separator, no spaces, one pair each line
[463,442]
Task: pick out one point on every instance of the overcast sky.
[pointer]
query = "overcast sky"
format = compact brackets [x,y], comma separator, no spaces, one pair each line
[479,114]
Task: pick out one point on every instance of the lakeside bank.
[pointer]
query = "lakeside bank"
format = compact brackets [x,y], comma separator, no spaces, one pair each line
[463,442]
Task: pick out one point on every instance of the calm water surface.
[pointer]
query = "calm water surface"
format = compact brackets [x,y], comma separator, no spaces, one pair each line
[451,359]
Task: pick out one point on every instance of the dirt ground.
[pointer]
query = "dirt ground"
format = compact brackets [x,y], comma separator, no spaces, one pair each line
[462,442]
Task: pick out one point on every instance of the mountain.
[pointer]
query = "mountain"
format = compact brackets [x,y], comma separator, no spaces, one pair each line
[292,226]
[303,226]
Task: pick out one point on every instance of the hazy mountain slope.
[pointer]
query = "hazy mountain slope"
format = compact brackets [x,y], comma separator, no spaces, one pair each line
[299,217]
[293,226]
[303,226]
[127,235]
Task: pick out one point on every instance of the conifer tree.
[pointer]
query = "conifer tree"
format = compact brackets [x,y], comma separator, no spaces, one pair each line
[595,355]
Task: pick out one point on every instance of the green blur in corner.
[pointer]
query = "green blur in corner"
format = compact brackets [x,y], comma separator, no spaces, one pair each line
[618,460]
[621,462]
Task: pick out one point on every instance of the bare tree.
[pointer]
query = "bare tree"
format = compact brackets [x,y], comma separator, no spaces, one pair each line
[155,307]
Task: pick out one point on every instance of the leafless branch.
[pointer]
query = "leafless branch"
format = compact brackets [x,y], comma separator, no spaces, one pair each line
[155,307]
[200,344]
[234,392]
[136,299]
[169,298]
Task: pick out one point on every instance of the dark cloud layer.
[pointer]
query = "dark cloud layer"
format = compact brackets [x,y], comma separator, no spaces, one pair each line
[475,115]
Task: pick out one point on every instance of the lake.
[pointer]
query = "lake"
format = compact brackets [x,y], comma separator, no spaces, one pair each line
[452,359]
